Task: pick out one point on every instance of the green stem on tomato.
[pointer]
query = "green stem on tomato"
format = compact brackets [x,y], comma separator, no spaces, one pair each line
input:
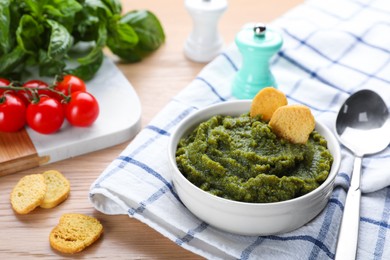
[33,91]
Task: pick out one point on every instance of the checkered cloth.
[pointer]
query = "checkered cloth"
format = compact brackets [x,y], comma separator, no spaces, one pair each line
[331,49]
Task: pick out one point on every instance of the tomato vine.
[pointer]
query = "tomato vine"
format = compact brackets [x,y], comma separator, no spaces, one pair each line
[44,107]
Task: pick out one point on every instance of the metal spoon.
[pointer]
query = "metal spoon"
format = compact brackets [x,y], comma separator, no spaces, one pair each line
[363,126]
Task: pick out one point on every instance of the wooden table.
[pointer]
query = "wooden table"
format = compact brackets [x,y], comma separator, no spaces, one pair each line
[155,79]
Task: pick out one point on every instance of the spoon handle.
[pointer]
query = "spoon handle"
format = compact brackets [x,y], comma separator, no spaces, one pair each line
[349,229]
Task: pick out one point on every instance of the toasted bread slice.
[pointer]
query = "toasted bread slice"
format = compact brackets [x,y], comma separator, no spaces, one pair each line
[75,232]
[58,189]
[28,193]
[266,102]
[293,122]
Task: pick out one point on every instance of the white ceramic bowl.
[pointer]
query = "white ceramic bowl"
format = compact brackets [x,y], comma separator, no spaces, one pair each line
[241,217]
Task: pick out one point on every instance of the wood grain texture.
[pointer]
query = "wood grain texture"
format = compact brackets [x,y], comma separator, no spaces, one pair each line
[17,153]
[156,80]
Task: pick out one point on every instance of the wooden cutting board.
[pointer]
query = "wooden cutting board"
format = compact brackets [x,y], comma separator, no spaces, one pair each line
[119,120]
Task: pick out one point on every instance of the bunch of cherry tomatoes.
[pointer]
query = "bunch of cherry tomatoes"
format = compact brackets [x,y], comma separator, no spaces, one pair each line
[45,107]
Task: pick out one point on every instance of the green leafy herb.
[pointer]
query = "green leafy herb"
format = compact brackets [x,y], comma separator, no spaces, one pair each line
[5,19]
[149,31]
[51,35]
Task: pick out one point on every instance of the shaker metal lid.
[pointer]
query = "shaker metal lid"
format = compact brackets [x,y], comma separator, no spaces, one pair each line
[259,29]
[259,36]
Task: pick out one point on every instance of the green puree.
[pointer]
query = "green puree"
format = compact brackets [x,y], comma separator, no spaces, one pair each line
[240,158]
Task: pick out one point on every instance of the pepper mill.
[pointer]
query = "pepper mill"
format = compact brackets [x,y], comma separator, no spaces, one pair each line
[204,42]
[257,45]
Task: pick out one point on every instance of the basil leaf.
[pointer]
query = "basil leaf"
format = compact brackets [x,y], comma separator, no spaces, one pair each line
[91,63]
[62,11]
[114,5]
[93,13]
[122,38]
[129,54]
[32,7]
[52,60]
[61,8]
[28,34]
[49,66]
[42,33]
[149,33]
[16,15]
[60,40]
[148,28]
[11,60]
[88,70]
[86,30]
[100,43]
[5,19]
[99,7]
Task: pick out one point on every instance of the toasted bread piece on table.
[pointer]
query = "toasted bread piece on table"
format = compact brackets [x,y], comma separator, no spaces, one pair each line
[58,189]
[75,232]
[28,193]
[266,102]
[293,122]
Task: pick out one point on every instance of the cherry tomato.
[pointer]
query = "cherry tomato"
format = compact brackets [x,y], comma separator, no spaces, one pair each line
[46,116]
[72,83]
[43,91]
[26,95]
[82,109]
[12,113]
[3,82]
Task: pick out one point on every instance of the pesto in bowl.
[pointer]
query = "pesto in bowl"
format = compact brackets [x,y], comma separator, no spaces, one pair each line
[241,159]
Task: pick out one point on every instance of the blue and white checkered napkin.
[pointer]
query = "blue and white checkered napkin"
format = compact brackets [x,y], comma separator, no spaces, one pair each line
[331,49]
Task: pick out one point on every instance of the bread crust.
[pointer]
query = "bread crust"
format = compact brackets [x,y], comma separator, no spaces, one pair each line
[58,189]
[75,232]
[28,193]
[293,122]
[266,102]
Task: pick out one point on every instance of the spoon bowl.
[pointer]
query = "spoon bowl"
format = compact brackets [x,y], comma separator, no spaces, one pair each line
[363,126]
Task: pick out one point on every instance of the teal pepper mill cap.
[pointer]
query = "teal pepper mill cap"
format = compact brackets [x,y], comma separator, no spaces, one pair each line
[257,45]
